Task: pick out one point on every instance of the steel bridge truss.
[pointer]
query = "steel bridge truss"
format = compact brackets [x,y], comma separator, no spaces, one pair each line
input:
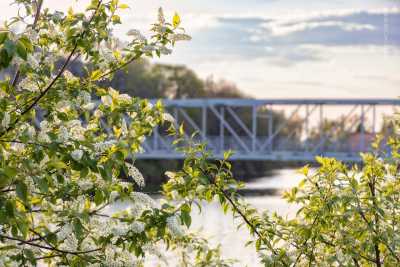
[252,128]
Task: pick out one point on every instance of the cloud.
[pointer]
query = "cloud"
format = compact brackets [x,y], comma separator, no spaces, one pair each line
[290,40]
[282,30]
[376,27]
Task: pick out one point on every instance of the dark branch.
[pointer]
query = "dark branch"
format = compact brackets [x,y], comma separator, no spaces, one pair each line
[60,72]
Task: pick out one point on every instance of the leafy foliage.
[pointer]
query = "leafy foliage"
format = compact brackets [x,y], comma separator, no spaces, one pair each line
[348,216]
[60,179]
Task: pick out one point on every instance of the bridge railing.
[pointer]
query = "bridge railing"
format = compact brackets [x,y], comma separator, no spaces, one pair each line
[277,129]
[162,147]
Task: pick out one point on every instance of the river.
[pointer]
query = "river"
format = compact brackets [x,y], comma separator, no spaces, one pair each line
[221,228]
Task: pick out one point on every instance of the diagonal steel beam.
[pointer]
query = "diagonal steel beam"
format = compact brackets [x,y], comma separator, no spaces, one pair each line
[227,126]
[280,127]
[241,123]
[146,147]
[191,122]
[324,139]
[305,119]
[195,126]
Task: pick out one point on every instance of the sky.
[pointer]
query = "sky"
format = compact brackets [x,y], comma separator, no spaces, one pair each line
[280,48]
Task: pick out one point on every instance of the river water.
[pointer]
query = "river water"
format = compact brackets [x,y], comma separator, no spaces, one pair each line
[222,228]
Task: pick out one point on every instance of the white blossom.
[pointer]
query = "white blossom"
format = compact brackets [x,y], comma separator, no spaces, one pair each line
[174,227]
[113,196]
[136,34]
[84,97]
[70,243]
[124,97]
[161,18]
[28,84]
[148,48]
[103,146]
[124,127]
[181,37]
[137,227]
[89,106]
[68,75]
[77,154]
[135,174]
[107,100]
[120,229]
[6,120]
[65,231]
[30,130]
[44,161]
[33,61]
[18,147]
[76,130]
[164,50]
[168,117]
[43,137]
[98,113]
[85,184]
[143,199]
[63,106]
[45,126]
[63,134]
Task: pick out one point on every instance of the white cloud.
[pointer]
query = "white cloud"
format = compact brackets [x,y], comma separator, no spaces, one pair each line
[280,29]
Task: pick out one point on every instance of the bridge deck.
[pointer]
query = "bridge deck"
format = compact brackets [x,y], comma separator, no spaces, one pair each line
[253,130]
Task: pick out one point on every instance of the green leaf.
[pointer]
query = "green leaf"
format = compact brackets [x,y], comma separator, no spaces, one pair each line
[9,46]
[22,191]
[176,20]
[258,244]
[30,256]
[23,228]
[4,180]
[43,185]
[98,197]
[123,6]
[78,228]
[52,238]
[186,219]
[10,208]
[228,154]
[56,164]
[3,37]
[116,19]
[10,171]
[95,75]
[181,130]
[27,43]
[185,215]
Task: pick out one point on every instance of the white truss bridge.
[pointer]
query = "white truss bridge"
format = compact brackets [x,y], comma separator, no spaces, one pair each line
[250,128]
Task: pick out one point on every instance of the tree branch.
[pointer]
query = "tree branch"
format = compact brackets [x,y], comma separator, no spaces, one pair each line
[247,221]
[48,248]
[60,72]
